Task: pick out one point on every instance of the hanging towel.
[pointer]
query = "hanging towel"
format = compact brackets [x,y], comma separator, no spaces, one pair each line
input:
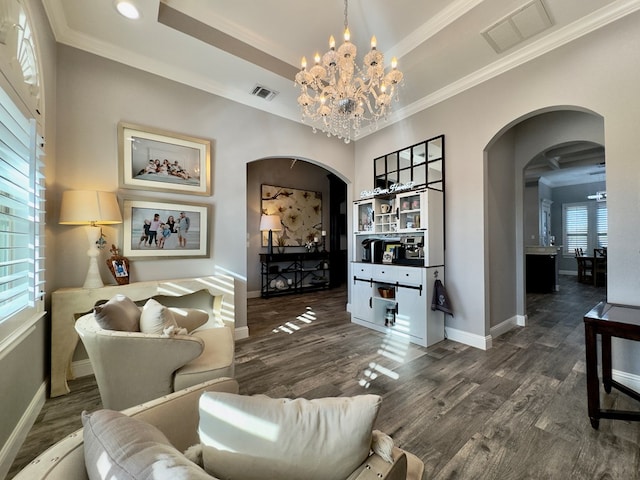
[440,300]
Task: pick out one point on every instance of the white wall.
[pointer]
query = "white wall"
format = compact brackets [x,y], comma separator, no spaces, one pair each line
[501,219]
[94,94]
[600,73]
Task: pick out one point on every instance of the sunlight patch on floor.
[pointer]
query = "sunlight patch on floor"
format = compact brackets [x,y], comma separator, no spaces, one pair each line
[394,349]
[305,318]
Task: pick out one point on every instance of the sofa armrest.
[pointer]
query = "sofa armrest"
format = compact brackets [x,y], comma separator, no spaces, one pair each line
[132,367]
[177,415]
[376,468]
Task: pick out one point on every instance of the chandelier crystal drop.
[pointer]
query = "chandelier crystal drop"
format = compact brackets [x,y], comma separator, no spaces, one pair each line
[338,96]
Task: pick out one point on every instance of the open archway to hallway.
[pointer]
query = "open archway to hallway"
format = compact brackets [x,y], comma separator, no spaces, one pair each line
[301,174]
[527,141]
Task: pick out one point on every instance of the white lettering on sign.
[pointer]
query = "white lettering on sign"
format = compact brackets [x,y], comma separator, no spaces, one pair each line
[396,187]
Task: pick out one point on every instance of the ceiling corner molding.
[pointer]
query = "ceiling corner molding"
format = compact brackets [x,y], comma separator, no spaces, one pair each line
[57,19]
[436,24]
[563,36]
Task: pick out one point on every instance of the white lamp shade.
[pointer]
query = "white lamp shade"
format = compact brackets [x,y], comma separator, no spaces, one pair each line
[87,207]
[270,222]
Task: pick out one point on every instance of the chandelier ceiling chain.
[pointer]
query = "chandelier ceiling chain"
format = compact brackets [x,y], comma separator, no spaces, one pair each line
[337,95]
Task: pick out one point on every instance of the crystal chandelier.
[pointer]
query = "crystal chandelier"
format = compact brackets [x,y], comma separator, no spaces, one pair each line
[337,96]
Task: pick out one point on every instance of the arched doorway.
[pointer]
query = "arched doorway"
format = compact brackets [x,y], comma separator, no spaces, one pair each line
[527,140]
[304,175]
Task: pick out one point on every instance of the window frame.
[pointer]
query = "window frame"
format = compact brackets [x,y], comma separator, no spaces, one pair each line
[594,234]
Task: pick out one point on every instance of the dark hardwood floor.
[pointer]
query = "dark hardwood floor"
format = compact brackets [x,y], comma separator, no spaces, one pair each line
[516,411]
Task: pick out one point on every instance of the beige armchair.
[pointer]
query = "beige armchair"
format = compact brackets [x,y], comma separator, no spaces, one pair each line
[133,367]
[178,417]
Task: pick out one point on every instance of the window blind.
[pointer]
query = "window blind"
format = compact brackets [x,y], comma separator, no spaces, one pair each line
[21,212]
[576,227]
[602,224]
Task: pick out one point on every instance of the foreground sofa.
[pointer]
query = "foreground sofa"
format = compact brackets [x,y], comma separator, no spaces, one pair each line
[177,417]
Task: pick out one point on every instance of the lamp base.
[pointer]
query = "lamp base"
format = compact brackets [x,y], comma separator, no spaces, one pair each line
[93,279]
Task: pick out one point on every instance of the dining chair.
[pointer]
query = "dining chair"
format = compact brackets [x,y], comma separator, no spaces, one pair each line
[585,267]
[599,266]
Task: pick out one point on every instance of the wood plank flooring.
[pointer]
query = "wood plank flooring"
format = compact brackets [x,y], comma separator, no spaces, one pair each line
[516,411]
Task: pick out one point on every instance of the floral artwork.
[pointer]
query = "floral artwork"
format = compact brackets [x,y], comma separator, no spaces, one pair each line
[300,212]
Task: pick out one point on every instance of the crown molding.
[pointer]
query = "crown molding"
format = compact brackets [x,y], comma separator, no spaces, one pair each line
[594,21]
[563,36]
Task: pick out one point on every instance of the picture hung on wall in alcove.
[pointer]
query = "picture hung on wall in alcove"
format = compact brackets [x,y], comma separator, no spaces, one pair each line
[300,213]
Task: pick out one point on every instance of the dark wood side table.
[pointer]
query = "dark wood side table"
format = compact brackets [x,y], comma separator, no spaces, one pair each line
[608,320]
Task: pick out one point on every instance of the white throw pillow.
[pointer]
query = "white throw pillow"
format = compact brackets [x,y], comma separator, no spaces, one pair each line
[155,318]
[257,437]
[118,446]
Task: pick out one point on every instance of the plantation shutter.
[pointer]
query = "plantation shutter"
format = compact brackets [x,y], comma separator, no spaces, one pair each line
[602,224]
[21,212]
[576,225]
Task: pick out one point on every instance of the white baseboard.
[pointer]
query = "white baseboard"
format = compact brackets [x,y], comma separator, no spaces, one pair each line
[627,379]
[508,324]
[568,272]
[241,332]
[477,341]
[81,368]
[254,294]
[16,439]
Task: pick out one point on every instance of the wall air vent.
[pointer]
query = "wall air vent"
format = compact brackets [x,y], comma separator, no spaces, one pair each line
[524,23]
[263,92]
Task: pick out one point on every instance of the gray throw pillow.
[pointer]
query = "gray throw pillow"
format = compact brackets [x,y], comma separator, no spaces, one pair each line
[122,447]
[119,313]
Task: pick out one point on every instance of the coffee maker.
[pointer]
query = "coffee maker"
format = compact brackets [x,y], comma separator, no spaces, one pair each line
[411,250]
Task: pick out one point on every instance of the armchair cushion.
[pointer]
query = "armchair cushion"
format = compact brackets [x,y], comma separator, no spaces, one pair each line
[257,437]
[118,446]
[155,317]
[189,318]
[119,313]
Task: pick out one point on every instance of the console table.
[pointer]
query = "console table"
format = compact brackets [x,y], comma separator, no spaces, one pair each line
[608,320]
[285,273]
[67,304]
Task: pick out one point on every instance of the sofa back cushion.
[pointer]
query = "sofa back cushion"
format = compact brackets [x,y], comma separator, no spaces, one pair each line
[119,313]
[257,437]
[120,447]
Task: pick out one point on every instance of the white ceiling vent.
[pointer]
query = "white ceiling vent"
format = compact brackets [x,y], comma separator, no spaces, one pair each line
[263,92]
[525,22]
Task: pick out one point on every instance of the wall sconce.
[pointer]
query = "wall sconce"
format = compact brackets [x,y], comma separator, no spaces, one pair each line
[271,223]
[92,209]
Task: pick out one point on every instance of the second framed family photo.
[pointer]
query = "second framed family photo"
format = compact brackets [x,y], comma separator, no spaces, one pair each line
[160,229]
[152,159]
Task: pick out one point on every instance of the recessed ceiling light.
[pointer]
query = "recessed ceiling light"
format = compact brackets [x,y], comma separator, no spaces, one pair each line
[127,9]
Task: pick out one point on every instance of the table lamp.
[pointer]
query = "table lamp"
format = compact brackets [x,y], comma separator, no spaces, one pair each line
[90,208]
[271,223]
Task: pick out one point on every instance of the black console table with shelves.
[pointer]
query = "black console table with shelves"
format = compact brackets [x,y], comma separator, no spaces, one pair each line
[288,273]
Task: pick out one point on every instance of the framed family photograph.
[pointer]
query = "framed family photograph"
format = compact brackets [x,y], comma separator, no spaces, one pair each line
[152,159]
[159,229]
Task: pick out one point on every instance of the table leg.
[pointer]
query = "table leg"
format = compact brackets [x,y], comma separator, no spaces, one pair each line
[606,362]
[593,390]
